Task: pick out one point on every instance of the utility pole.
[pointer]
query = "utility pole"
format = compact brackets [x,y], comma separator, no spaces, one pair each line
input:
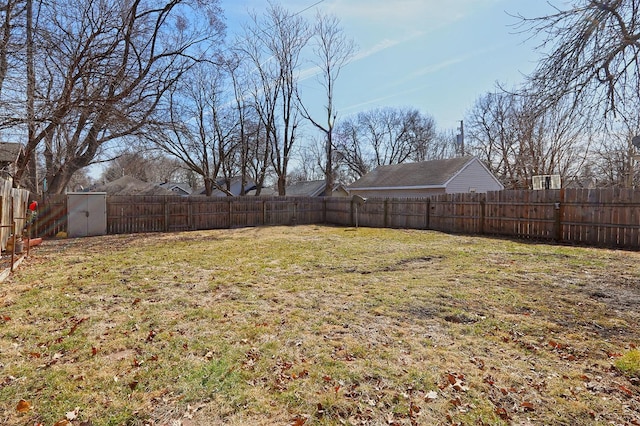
[460,138]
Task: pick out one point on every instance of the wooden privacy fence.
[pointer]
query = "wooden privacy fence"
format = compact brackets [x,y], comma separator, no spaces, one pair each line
[134,214]
[13,211]
[599,217]
[127,214]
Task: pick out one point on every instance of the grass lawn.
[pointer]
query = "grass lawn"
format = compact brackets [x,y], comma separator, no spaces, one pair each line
[313,325]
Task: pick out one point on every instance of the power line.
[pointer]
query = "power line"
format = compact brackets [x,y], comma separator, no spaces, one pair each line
[309,7]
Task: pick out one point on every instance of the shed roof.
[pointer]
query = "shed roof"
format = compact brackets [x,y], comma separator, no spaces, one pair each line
[9,151]
[434,173]
[309,188]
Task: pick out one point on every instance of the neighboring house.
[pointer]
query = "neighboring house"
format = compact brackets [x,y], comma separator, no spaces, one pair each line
[179,188]
[314,188]
[235,187]
[9,153]
[455,175]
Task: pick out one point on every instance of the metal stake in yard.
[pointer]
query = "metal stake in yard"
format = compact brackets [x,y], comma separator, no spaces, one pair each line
[358,200]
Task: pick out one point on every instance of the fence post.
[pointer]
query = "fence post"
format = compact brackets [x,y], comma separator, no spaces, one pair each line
[351,214]
[558,214]
[385,219]
[230,216]
[294,219]
[324,210]
[428,214]
[166,214]
[483,214]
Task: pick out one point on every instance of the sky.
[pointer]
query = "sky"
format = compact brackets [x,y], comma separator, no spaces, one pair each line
[434,55]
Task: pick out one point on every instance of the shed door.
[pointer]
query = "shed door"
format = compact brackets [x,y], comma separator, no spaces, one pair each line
[87,214]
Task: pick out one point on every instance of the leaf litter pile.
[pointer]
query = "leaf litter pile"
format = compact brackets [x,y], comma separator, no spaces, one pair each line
[313,325]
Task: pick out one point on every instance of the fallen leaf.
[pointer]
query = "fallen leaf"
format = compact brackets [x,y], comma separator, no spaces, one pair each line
[460,387]
[502,413]
[76,324]
[23,406]
[299,421]
[527,406]
[555,344]
[626,390]
[94,351]
[64,422]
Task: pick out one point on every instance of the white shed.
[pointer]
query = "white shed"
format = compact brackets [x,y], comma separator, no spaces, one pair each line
[86,214]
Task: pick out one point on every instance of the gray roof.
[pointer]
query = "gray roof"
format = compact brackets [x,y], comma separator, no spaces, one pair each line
[177,187]
[309,188]
[9,152]
[128,185]
[235,183]
[426,173]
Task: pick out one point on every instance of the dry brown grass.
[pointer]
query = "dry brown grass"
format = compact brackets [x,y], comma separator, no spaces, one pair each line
[319,326]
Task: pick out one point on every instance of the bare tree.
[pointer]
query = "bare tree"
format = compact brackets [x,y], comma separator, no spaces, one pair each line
[145,166]
[615,161]
[385,136]
[273,45]
[517,141]
[200,126]
[591,54]
[12,15]
[332,50]
[103,67]
[352,152]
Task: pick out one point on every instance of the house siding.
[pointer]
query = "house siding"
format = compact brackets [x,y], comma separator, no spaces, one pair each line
[474,175]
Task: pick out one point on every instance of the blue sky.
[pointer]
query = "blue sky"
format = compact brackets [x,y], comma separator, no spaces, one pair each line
[434,55]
